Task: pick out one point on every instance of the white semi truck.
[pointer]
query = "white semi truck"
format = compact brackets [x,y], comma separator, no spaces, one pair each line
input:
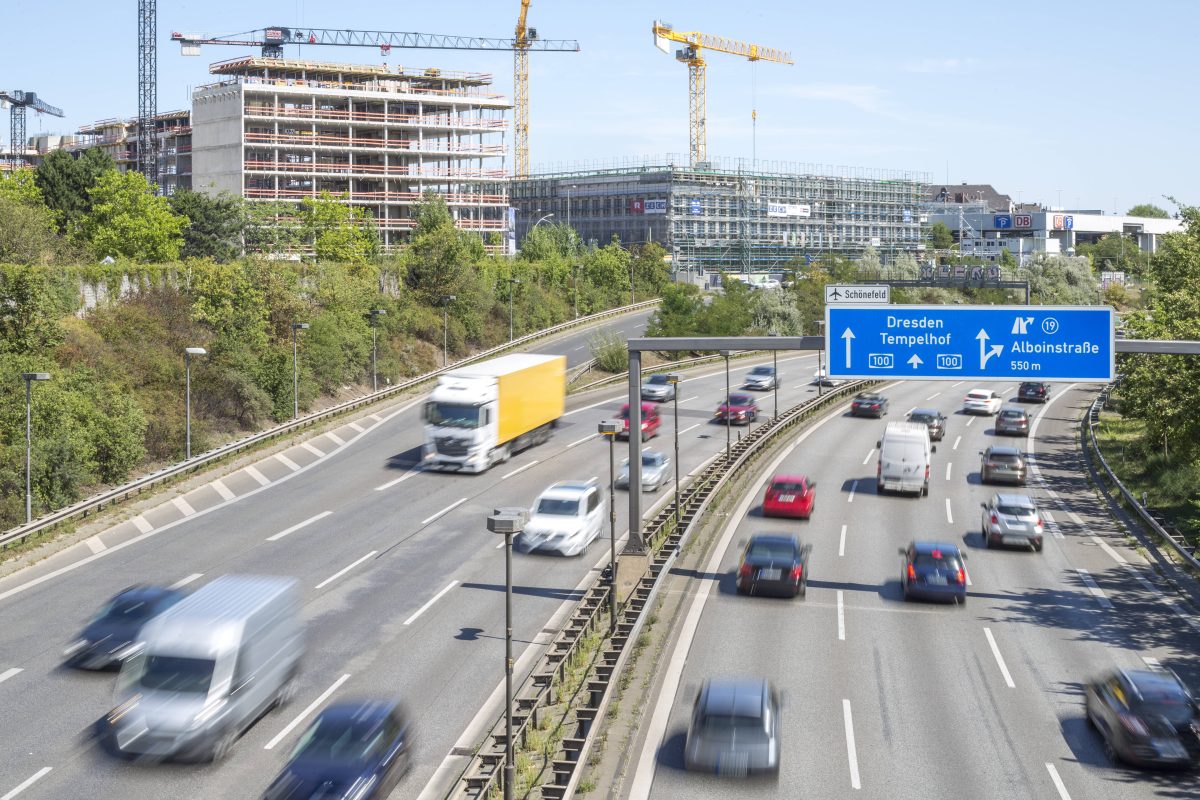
[485,413]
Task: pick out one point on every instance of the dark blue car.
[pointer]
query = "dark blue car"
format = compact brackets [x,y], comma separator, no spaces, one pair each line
[934,571]
[111,637]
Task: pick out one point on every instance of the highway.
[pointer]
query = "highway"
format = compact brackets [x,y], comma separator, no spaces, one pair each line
[885,698]
[402,588]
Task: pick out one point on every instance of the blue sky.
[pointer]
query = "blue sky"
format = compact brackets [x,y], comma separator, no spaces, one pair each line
[1091,101]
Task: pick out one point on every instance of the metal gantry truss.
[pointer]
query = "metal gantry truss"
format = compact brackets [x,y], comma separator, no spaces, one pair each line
[147,153]
[22,102]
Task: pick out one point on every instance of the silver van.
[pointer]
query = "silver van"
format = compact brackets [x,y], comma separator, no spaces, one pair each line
[904,458]
[208,668]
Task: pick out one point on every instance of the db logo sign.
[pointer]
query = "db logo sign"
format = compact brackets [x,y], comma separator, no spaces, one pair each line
[1022,221]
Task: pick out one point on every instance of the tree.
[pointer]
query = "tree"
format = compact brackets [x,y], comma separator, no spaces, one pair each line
[1061,280]
[20,186]
[215,225]
[550,241]
[679,312]
[650,269]
[1148,210]
[940,237]
[66,183]
[29,311]
[128,220]
[1115,252]
[440,256]
[338,230]
[27,231]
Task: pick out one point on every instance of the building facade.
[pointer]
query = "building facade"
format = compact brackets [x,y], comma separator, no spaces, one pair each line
[119,138]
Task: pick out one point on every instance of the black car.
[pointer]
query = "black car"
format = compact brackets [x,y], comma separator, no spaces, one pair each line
[933,571]
[111,636]
[772,564]
[935,419]
[1033,392]
[869,404]
[1146,716]
[351,751]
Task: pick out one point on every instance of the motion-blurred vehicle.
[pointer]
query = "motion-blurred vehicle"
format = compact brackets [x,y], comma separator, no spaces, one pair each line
[934,419]
[762,377]
[790,496]
[651,421]
[1011,520]
[982,401]
[742,409]
[565,519]
[821,376]
[869,404]
[111,637]
[1033,392]
[773,564]
[734,729]
[1146,717]
[351,751]
[658,389]
[211,666]
[933,571]
[1012,421]
[904,459]
[656,469]
[1002,465]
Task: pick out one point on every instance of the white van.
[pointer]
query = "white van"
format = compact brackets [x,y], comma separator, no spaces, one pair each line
[904,458]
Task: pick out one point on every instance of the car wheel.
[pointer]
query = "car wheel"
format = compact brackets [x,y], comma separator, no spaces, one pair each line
[879,488]
[983,476]
[987,540]
[804,589]
[1110,752]
[1037,548]
[223,745]
[904,594]
[925,490]
[287,692]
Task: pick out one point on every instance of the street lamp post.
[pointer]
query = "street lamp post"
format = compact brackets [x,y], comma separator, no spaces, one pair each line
[188,352]
[296,326]
[447,299]
[569,188]
[508,522]
[575,269]
[512,282]
[29,378]
[632,293]
[775,377]
[376,313]
[728,415]
[820,357]
[608,429]
[675,379]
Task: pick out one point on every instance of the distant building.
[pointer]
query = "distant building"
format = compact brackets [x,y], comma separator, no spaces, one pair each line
[119,138]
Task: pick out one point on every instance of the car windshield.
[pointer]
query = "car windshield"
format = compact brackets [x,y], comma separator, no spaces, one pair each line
[761,371]
[452,415]
[869,398]
[740,400]
[126,610]
[1015,414]
[652,459]
[925,418]
[946,562]
[176,674]
[557,507]
[1162,698]
[658,380]
[1014,511]
[340,740]
[787,486]
[978,396]
[774,550]
[726,726]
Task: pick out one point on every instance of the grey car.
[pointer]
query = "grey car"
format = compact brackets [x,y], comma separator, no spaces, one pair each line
[1002,465]
[658,388]
[763,378]
[656,470]
[935,419]
[735,728]
[1011,520]
[1012,421]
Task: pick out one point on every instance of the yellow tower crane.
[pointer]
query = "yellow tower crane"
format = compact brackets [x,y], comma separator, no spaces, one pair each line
[524,37]
[691,55]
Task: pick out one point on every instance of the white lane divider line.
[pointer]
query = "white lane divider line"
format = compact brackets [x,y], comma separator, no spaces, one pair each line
[287,462]
[1113,554]
[182,582]
[851,750]
[1167,600]
[841,618]
[581,441]
[432,600]
[949,464]
[310,447]
[870,453]
[445,510]
[1094,588]
[935,394]
[142,524]
[253,472]
[333,437]
[518,470]
[376,417]
[853,488]
[8,673]
[960,383]
[593,405]
[344,570]
[356,426]
[577,349]
[949,515]
[220,488]
[957,439]
[690,399]
[304,714]
[25,784]
[999,658]
[1058,784]
[688,428]
[842,543]
[298,526]
[95,544]
[1076,519]
[971,421]
[184,506]
[401,479]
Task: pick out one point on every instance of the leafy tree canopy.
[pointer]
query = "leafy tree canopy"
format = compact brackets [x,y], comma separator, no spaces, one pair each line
[339,231]
[66,183]
[940,236]
[128,220]
[1148,210]
[216,224]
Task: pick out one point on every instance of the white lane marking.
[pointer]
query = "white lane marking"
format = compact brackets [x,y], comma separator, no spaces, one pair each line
[287,462]
[577,349]
[935,394]
[1169,602]
[8,673]
[593,405]
[1076,518]
[870,453]
[518,470]
[690,399]
[298,526]
[184,506]
[310,447]
[343,571]
[841,619]
[949,515]
[842,542]
[688,428]
[949,464]
[1113,554]
[853,488]
[356,426]
[333,437]
[1058,784]
[220,488]
[95,544]
[647,447]
[1051,493]
[1094,588]
[376,417]
[960,383]
[957,439]
[432,600]
[142,524]
[1046,514]
[394,481]
[498,546]
[581,441]
[971,421]
[851,750]
[1005,390]
[304,714]
[906,413]
[967,575]
[182,582]
[1151,662]
[999,658]
[445,510]
[253,472]
[25,784]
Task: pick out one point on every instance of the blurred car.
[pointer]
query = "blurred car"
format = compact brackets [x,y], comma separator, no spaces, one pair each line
[790,496]
[658,389]
[734,729]
[1012,421]
[772,564]
[111,636]
[656,469]
[565,519]
[933,571]
[651,421]
[869,404]
[982,401]
[821,376]
[935,419]
[742,409]
[1146,716]
[1033,392]
[1002,465]
[1011,519]
[351,751]
[762,377]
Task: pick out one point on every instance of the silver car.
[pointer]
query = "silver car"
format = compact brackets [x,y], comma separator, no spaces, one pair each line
[656,470]
[763,378]
[735,728]
[1012,420]
[1011,520]
[658,388]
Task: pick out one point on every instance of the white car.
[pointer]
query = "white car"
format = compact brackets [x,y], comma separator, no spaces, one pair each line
[566,518]
[982,401]
[821,376]
[656,469]
[762,377]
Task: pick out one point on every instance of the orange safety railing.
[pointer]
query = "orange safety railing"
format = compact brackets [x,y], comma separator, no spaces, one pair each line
[388,86]
[309,168]
[330,140]
[452,198]
[438,120]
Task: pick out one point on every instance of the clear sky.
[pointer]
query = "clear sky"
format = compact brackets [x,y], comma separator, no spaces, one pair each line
[1091,102]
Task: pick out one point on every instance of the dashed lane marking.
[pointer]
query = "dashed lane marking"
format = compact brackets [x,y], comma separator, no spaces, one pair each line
[95,544]
[220,488]
[310,447]
[184,506]
[333,437]
[287,462]
[253,472]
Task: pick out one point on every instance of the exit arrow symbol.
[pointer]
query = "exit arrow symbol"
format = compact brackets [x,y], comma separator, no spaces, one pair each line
[915,361]
[848,335]
[984,353]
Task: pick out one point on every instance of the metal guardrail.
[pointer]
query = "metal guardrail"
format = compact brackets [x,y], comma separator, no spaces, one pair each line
[121,493]
[1173,538]
[664,537]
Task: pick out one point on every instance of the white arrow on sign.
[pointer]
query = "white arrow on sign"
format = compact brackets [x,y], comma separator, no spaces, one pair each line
[915,361]
[848,335]
[984,353]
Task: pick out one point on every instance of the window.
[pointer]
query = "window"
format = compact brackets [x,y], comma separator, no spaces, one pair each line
[593,501]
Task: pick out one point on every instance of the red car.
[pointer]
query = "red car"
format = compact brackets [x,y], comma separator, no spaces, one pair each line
[742,410]
[790,496]
[650,421]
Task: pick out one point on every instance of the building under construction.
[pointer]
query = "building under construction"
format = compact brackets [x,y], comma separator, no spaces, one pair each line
[282,130]
[120,137]
[758,218]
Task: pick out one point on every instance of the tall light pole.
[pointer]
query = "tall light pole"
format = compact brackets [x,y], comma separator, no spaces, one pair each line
[447,299]
[775,377]
[728,414]
[608,429]
[508,522]
[29,378]
[675,379]
[820,357]
[376,313]
[575,269]
[569,188]
[511,283]
[188,352]
[296,326]
[632,293]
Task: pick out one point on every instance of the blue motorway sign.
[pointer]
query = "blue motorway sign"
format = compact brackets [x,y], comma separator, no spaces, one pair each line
[1049,343]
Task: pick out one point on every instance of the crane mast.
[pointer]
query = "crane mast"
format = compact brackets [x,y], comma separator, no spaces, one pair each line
[21,102]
